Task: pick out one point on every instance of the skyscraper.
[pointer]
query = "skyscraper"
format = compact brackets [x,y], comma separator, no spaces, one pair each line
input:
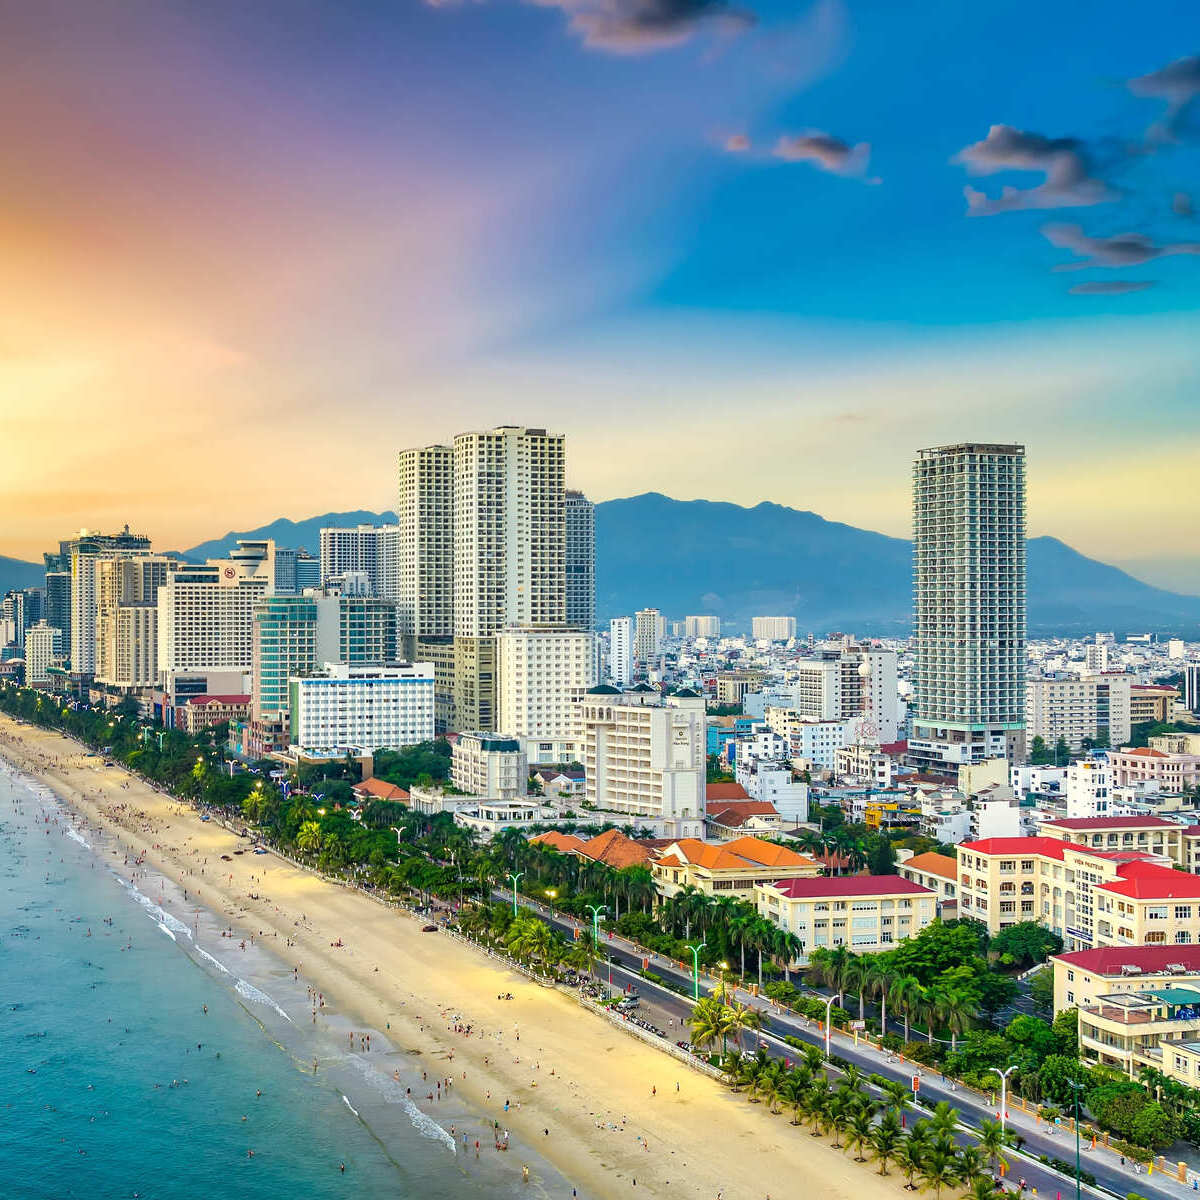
[649,630]
[580,514]
[127,618]
[620,651]
[425,554]
[969,604]
[371,549]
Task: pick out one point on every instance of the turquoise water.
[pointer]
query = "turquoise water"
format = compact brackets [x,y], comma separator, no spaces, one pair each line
[115,1082]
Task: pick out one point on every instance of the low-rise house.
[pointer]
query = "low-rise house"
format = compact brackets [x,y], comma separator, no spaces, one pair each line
[207,712]
[737,818]
[727,868]
[379,789]
[938,873]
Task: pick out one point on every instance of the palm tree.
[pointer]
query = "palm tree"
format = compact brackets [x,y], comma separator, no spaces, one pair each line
[910,1157]
[898,1096]
[709,1021]
[957,1011]
[885,1139]
[837,1115]
[742,1017]
[768,1088]
[970,1165]
[858,1133]
[938,1171]
[878,981]
[856,979]
[820,1096]
[852,1077]
[983,1188]
[740,927]
[837,972]
[308,839]
[905,994]
[944,1119]
[993,1138]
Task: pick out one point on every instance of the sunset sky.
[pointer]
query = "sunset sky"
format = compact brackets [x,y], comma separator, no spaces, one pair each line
[249,250]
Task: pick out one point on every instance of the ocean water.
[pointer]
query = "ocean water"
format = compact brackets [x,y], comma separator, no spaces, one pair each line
[135,1040]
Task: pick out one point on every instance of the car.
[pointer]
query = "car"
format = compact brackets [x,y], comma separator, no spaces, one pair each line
[206,817]
[429,929]
[227,858]
[259,850]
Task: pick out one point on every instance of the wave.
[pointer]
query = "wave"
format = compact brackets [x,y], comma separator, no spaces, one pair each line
[77,837]
[249,992]
[165,921]
[349,1105]
[215,961]
[394,1092]
[167,931]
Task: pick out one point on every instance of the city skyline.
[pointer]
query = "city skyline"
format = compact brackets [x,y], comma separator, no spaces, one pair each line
[457,216]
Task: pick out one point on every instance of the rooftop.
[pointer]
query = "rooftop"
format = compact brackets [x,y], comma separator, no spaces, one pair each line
[851,885]
[614,849]
[741,854]
[725,791]
[934,864]
[218,700]
[1151,960]
[1085,823]
[1148,881]
[1050,847]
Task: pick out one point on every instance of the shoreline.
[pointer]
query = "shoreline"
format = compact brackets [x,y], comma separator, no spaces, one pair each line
[579,1090]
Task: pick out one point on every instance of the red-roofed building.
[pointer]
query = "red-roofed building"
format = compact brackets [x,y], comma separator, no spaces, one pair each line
[1149,835]
[735,818]
[717,793]
[379,789]
[1154,769]
[206,712]
[727,868]
[866,913]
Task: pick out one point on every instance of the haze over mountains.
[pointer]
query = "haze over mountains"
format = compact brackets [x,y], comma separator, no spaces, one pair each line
[701,556]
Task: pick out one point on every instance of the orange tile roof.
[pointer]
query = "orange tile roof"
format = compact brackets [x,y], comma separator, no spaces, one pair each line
[616,850]
[934,864]
[564,843]
[739,854]
[380,789]
[1145,752]
[725,791]
[732,814]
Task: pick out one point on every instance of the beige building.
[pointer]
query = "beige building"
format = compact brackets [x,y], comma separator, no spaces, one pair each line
[732,686]
[734,868]
[127,619]
[938,873]
[701,627]
[425,544]
[649,629]
[1146,835]
[1096,707]
[772,629]
[43,650]
[206,712]
[487,764]
[1157,770]
[865,913]
[1151,702]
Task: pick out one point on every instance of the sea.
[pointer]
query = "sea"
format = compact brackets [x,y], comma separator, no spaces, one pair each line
[144,1056]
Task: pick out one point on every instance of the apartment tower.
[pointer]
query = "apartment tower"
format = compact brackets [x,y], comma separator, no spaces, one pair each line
[580,515]
[968,605]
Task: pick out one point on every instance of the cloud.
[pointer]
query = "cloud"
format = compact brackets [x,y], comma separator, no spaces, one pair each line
[1178,83]
[1121,250]
[1181,205]
[825,152]
[1111,287]
[1063,162]
[737,143]
[638,26]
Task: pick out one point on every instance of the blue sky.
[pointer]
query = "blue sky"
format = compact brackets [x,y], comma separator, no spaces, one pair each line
[726,251]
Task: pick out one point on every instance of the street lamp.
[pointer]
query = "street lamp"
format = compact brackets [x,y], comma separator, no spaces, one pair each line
[724,966]
[596,910]
[514,878]
[696,968]
[1076,1088]
[551,893]
[1004,1092]
[828,1007]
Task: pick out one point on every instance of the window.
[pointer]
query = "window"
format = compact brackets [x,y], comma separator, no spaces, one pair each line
[1183,912]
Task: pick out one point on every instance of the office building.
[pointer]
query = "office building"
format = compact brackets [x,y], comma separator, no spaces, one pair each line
[425,524]
[1093,710]
[969,605]
[773,629]
[620,651]
[358,709]
[541,675]
[283,645]
[644,755]
[486,764]
[295,570]
[58,604]
[650,627]
[43,650]
[1153,702]
[580,517]
[702,627]
[370,549]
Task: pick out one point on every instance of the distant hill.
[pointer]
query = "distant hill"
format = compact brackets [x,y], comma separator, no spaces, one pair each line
[704,556]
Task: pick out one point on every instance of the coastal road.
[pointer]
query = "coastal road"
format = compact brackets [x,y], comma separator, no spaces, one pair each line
[660,1006]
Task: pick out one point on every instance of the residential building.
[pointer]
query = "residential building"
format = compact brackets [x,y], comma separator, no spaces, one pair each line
[866,913]
[969,605]
[771,780]
[58,604]
[425,527]
[1096,659]
[1094,709]
[734,868]
[295,570]
[580,516]
[813,741]
[126,619]
[360,708]
[1191,687]
[1151,702]
[643,755]
[372,550]
[486,764]
[620,651]
[1145,835]
[43,650]
[731,819]
[207,712]
[773,629]
[864,762]
[732,686]
[1139,1006]
[541,675]
[650,627]
[283,645]
[701,627]
[1089,788]
[938,873]
[1154,770]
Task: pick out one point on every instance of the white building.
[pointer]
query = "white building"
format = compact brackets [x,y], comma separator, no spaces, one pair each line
[206,619]
[1089,789]
[43,648]
[487,764]
[815,741]
[644,755]
[1096,706]
[865,763]
[772,780]
[361,708]
[371,549]
[1097,657]
[620,651]
[425,550]
[541,675]
[773,629]
[126,619]
[650,627]
[701,627]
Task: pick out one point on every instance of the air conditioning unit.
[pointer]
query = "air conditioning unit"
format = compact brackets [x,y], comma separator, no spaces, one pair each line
[1130,969]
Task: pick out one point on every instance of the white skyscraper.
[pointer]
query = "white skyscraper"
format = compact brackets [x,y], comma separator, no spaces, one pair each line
[701,627]
[43,645]
[620,651]
[424,515]
[773,629]
[370,549]
[969,604]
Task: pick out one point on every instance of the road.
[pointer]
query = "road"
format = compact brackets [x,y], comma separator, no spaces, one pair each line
[669,1012]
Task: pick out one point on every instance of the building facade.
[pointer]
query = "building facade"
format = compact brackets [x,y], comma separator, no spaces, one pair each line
[372,550]
[580,517]
[1093,709]
[969,604]
[650,627]
[424,515]
[620,651]
[485,764]
[773,629]
[43,650]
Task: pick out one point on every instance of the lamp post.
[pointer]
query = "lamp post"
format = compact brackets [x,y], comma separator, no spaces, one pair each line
[1076,1088]
[514,878]
[1004,1092]
[828,1007]
[696,969]
[596,910]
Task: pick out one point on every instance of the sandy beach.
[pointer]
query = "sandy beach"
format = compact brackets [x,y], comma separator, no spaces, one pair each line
[600,1105]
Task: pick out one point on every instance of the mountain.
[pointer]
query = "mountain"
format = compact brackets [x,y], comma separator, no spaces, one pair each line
[701,556]
[704,556]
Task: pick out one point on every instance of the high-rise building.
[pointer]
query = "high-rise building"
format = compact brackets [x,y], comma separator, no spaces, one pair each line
[283,644]
[43,648]
[127,618]
[969,604]
[1191,687]
[425,532]
[650,627]
[371,549]
[541,674]
[58,604]
[295,570]
[1097,657]
[620,651]
[580,515]
[773,629]
[1095,709]
[487,764]
[13,618]
[701,627]
[206,618]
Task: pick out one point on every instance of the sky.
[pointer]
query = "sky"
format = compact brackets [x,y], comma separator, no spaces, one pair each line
[748,253]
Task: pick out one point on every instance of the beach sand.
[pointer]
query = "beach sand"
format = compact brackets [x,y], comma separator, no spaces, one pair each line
[571,1071]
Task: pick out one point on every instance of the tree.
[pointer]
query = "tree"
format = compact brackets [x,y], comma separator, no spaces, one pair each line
[860,1129]
[906,994]
[308,838]
[1041,989]
[1153,1127]
[881,857]
[1039,754]
[886,1138]
[938,1170]
[1024,944]
[993,1138]
[911,1157]
[1062,752]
